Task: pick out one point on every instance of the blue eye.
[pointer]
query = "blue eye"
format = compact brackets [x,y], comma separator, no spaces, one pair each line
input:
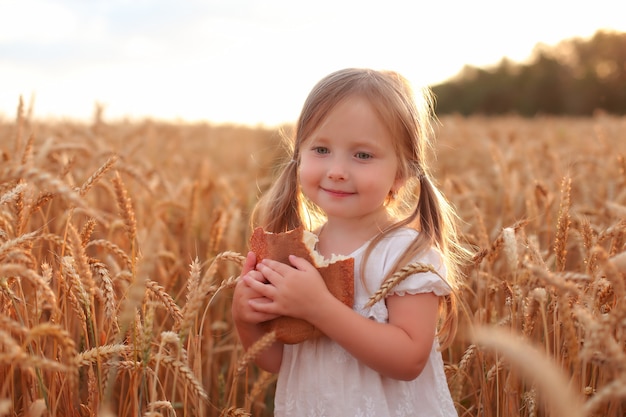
[363,155]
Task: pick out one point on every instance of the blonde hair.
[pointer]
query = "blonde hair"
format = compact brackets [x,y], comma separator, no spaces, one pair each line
[420,205]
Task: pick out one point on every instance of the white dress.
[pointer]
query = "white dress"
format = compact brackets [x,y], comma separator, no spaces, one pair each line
[318,378]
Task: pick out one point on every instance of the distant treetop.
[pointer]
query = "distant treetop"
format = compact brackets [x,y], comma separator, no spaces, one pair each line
[575,77]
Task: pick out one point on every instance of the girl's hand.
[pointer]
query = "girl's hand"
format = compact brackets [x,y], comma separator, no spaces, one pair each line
[244,293]
[296,291]
[247,319]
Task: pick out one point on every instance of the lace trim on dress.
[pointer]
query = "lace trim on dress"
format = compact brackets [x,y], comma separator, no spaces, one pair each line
[378,311]
[438,291]
[422,283]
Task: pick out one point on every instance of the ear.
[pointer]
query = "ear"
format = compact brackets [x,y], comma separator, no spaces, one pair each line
[398,183]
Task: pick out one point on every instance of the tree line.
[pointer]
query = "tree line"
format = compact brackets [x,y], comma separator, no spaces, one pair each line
[575,77]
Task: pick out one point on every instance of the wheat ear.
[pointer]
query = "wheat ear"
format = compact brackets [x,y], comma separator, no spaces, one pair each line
[204,288]
[186,374]
[614,390]
[128,214]
[234,412]
[159,404]
[45,179]
[86,231]
[27,237]
[398,277]
[13,193]
[100,353]
[96,175]
[255,350]
[81,261]
[37,280]
[165,299]
[563,224]
[101,271]
[113,248]
[195,269]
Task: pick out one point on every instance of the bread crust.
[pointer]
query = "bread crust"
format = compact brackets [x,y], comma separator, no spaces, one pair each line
[338,277]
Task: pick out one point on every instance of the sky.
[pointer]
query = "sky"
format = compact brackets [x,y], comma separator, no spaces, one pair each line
[254,62]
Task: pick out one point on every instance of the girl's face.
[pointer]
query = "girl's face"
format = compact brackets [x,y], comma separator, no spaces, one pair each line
[348,165]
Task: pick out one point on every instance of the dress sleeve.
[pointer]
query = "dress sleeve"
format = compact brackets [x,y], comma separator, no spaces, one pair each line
[425,282]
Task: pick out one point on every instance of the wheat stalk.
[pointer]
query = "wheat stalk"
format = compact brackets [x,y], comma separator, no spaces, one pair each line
[461,374]
[26,238]
[19,125]
[260,384]
[235,412]
[61,335]
[11,269]
[86,231]
[614,390]
[185,373]
[128,214]
[97,175]
[510,248]
[44,179]
[43,198]
[113,248]
[255,350]
[81,261]
[398,277]
[102,273]
[28,149]
[165,299]
[563,224]
[159,404]
[550,381]
[194,277]
[70,282]
[204,288]
[530,399]
[612,273]
[101,354]
[15,356]
[13,193]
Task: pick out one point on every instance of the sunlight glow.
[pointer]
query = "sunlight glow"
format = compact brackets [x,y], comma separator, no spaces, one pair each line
[252,63]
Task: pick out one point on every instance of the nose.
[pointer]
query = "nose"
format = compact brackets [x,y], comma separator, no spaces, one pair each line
[337,170]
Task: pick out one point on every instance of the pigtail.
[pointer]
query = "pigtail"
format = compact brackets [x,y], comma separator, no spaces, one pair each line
[438,223]
[428,209]
[280,208]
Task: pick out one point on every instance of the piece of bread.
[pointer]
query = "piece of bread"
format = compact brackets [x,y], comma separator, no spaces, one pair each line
[337,272]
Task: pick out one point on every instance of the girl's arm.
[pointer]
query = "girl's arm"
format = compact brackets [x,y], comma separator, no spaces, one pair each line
[247,321]
[398,349]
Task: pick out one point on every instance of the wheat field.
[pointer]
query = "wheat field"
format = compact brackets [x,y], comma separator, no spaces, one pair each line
[120,244]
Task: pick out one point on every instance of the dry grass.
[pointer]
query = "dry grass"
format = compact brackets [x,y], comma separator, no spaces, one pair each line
[120,245]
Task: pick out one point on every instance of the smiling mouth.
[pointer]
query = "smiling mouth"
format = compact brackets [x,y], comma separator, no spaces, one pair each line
[338,193]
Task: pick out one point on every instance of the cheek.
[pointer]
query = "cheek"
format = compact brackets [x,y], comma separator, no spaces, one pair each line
[306,177]
[307,171]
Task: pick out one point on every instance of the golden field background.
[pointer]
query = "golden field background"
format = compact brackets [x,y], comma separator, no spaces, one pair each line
[120,244]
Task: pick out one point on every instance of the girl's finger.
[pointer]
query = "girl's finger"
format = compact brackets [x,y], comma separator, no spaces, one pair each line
[266,290]
[249,263]
[300,263]
[273,271]
[264,307]
[257,276]
[279,267]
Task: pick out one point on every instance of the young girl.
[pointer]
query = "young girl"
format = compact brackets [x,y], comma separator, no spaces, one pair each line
[359,179]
